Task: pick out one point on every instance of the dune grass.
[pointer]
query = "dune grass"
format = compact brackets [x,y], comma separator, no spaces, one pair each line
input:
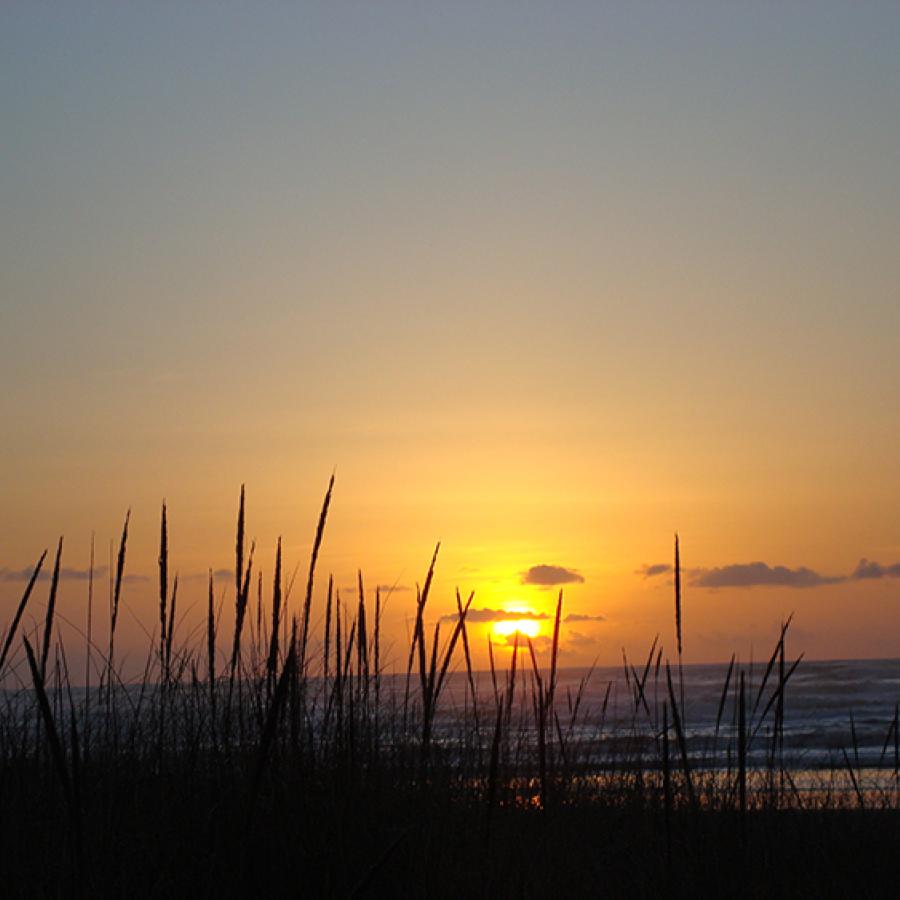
[306,766]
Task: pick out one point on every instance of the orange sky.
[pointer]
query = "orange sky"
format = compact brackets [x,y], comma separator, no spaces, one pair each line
[545,288]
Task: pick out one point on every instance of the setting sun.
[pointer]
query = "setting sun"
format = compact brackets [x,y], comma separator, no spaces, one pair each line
[527,627]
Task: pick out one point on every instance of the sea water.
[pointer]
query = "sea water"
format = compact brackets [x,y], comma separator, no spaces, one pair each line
[831,708]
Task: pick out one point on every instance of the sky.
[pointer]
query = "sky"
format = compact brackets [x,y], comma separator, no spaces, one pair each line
[544,282]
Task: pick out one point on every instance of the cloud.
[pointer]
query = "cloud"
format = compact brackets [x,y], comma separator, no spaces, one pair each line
[541,642]
[655,569]
[547,576]
[577,639]
[502,615]
[65,574]
[218,575]
[385,589]
[493,615]
[866,570]
[757,574]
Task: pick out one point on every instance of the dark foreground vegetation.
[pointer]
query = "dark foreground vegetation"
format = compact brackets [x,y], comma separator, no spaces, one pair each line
[292,765]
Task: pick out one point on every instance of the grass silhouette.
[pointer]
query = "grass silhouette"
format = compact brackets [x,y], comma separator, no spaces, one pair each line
[305,767]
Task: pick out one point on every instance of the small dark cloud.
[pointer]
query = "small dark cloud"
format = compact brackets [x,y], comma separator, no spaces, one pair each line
[759,574]
[65,574]
[655,569]
[866,570]
[218,575]
[581,617]
[577,639]
[547,576]
[384,588]
[493,615]
[135,579]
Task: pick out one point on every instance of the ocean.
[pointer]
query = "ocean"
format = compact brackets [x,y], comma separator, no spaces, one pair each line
[831,707]
[834,711]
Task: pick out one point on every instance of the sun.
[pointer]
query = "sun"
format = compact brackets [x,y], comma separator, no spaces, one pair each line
[527,627]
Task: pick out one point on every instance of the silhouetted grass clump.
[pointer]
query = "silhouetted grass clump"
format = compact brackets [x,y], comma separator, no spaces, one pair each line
[296,764]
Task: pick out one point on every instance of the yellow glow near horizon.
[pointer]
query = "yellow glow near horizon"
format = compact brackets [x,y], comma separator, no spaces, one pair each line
[527,627]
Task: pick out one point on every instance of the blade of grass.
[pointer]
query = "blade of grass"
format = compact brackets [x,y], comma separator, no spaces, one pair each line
[11,633]
[307,601]
[51,606]
[163,587]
